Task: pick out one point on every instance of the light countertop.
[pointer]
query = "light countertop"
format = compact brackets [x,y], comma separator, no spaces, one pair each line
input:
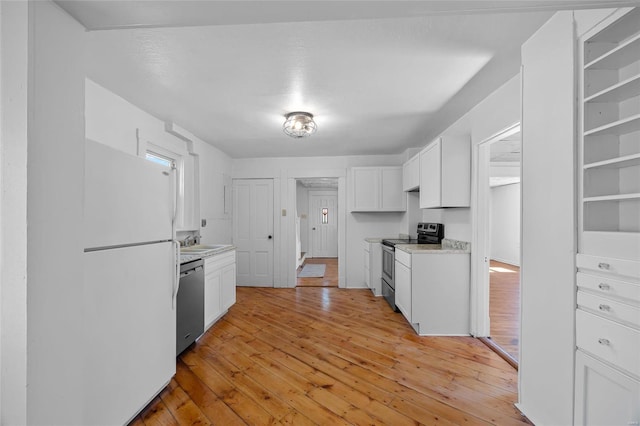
[374,240]
[447,247]
[189,254]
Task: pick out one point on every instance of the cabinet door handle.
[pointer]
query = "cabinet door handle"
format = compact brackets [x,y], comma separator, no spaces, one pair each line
[604,307]
[604,342]
[603,265]
[604,286]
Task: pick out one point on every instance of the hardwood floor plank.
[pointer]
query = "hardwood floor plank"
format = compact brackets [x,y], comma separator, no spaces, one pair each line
[504,306]
[211,405]
[247,409]
[157,413]
[182,408]
[315,355]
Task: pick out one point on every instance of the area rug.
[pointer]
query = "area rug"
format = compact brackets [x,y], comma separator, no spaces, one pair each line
[312,270]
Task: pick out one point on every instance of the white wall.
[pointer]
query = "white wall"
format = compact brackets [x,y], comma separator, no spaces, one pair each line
[112,120]
[505,223]
[495,113]
[358,225]
[55,176]
[14,51]
[302,206]
[548,215]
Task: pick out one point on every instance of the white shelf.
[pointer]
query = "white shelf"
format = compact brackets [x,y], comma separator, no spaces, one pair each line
[626,25]
[616,163]
[620,127]
[609,203]
[617,197]
[617,93]
[623,55]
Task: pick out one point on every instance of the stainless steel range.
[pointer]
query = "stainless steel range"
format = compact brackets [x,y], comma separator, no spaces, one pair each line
[428,233]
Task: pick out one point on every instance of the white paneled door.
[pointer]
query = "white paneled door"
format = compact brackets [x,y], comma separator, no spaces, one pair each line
[253,231]
[323,208]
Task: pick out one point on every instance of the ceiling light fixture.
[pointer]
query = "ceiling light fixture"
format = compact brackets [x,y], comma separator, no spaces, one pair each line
[299,124]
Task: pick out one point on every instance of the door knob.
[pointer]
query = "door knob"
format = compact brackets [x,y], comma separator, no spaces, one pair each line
[313,229]
[270,237]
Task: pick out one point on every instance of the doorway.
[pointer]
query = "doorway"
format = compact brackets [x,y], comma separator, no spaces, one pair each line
[317,232]
[497,214]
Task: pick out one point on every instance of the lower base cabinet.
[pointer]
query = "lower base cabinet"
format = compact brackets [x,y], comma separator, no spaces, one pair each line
[219,286]
[432,292]
[604,395]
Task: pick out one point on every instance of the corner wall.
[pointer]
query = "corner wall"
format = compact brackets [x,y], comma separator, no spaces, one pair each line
[14,48]
[55,192]
[548,197]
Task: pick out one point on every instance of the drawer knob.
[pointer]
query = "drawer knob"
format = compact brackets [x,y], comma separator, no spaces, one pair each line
[604,286]
[604,307]
[604,342]
[603,265]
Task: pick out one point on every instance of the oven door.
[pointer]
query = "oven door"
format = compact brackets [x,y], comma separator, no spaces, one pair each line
[388,264]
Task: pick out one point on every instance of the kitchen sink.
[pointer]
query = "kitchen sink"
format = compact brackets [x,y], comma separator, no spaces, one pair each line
[202,249]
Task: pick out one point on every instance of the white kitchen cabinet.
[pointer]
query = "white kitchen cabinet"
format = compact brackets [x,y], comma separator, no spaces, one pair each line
[219,285]
[445,173]
[432,291]
[608,341]
[411,174]
[228,286]
[373,267]
[402,281]
[377,189]
[604,395]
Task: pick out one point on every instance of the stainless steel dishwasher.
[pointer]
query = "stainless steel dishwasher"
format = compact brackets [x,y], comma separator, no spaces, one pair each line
[190,305]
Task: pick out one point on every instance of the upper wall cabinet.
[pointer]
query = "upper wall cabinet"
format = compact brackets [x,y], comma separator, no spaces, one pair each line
[610,138]
[411,174]
[377,189]
[445,173]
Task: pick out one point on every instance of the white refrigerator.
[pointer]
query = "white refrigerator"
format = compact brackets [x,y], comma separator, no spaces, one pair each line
[129,283]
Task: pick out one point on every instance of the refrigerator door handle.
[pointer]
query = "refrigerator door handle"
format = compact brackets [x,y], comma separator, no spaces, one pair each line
[176,276]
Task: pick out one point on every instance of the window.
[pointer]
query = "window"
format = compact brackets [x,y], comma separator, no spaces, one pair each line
[325,215]
[160,159]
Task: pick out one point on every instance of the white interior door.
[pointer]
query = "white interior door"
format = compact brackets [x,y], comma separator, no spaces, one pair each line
[323,208]
[253,231]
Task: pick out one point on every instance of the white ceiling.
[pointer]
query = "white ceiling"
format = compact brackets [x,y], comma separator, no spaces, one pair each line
[378,76]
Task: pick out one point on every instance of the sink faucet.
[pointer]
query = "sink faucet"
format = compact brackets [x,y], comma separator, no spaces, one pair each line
[187,239]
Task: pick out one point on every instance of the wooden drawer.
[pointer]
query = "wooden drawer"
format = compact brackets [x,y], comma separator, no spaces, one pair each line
[611,341]
[609,287]
[610,308]
[404,258]
[628,268]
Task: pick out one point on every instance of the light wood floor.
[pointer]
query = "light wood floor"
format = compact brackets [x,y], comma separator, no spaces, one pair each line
[331,356]
[330,278]
[504,306]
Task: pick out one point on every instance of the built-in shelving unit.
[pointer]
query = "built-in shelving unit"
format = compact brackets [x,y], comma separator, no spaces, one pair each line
[610,139]
[607,376]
